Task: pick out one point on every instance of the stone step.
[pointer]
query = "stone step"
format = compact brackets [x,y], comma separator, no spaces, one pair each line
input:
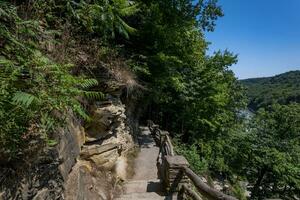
[145,196]
[142,186]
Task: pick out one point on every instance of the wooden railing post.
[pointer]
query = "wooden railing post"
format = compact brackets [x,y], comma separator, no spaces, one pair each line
[174,175]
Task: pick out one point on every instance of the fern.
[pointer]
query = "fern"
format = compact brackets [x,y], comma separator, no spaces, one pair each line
[124,28]
[52,143]
[7,11]
[47,122]
[88,83]
[129,10]
[81,112]
[92,95]
[106,17]
[24,99]
[29,104]
[6,62]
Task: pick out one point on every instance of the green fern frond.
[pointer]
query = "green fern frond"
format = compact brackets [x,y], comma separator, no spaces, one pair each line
[92,95]
[127,28]
[81,112]
[5,62]
[7,10]
[51,143]
[24,99]
[88,83]
[47,122]
[130,10]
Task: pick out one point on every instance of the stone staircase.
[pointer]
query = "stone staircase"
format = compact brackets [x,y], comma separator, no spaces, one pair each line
[145,184]
[144,190]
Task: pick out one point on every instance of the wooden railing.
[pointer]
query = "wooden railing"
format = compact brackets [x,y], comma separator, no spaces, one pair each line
[176,174]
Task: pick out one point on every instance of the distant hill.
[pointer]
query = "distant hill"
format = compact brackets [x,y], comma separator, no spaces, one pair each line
[283,89]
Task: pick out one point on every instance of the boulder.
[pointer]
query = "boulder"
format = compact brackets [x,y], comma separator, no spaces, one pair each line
[106,160]
[104,120]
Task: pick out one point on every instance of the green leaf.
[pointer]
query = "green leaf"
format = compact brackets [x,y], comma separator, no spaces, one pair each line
[24,99]
[51,143]
[92,95]
[88,83]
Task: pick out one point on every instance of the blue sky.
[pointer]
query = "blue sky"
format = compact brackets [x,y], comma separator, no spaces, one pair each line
[264,33]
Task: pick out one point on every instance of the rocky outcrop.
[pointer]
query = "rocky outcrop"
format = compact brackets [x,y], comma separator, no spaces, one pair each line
[109,124]
[107,135]
[88,159]
[108,139]
[85,164]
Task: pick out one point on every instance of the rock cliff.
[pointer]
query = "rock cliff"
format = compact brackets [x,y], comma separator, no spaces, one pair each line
[102,160]
[88,160]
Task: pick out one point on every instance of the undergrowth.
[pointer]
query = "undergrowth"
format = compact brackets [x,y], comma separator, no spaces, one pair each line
[198,164]
[49,50]
[36,93]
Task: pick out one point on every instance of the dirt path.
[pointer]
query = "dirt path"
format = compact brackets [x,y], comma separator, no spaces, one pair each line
[145,164]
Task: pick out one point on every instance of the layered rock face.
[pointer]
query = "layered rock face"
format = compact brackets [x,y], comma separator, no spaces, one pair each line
[86,163]
[101,162]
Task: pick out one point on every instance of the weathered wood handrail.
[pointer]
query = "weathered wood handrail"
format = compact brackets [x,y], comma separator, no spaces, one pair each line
[169,145]
[191,193]
[166,144]
[203,188]
[168,156]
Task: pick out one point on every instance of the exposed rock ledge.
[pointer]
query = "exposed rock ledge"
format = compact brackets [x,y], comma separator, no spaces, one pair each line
[107,141]
[84,165]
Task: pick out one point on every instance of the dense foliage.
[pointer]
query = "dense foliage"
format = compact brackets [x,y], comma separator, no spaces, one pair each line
[35,91]
[282,89]
[193,95]
[269,153]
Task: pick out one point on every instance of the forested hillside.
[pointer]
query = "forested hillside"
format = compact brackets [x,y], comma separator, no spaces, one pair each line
[283,89]
[56,55]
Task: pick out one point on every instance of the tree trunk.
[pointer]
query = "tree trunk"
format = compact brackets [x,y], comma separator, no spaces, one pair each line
[256,189]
